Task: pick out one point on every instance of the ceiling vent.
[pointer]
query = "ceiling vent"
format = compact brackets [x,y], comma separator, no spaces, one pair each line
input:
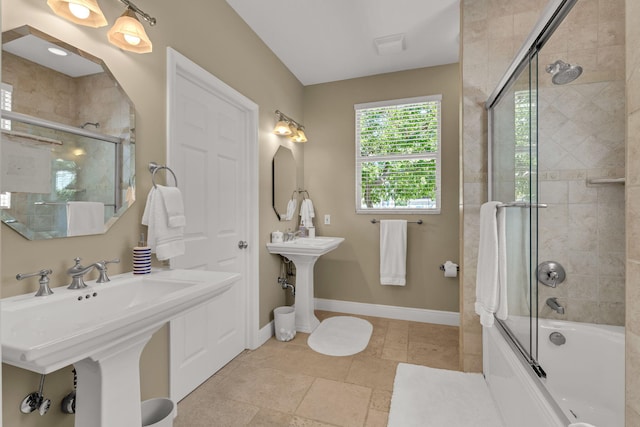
[389,45]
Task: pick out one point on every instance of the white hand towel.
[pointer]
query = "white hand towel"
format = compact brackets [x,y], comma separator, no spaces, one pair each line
[291,209]
[172,198]
[393,252]
[307,213]
[85,218]
[491,282]
[166,242]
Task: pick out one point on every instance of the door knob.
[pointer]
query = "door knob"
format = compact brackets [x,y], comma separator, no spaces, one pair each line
[242,244]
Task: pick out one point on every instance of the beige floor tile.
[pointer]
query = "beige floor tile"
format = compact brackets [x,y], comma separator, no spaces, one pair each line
[200,410]
[372,372]
[269,418]
[285,384]
[263,387]
[377,418]
[433,334]
[399,354]
[381,400]
[337,403]
[434,356]
[306,422]
[396,338]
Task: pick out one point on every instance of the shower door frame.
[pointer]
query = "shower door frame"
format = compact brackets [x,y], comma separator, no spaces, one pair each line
[551,17]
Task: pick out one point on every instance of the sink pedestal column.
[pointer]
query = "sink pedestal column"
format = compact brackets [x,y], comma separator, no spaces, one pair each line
[108,393]
[306,320]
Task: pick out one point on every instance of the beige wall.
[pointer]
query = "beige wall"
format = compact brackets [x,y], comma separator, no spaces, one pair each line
[351,273]
[633,214]
[212,35]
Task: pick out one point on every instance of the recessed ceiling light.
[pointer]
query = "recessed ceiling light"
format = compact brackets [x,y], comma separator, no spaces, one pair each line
[57,51]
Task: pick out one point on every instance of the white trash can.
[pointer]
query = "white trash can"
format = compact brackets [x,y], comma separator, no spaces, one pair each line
[285,320]
[158,412]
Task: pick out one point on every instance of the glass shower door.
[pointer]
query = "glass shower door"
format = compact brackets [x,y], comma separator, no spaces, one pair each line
[514,163]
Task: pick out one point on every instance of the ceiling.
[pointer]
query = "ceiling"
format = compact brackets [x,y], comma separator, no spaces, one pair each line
[35,49]
[328,40]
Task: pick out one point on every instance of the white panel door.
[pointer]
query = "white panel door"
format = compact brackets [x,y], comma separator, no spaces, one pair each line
[207,151]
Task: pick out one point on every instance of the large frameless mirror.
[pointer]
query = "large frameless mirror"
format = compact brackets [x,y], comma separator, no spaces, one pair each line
[68,145]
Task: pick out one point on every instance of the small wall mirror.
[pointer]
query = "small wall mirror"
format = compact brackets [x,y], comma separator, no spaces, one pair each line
[284,181]
[68,146]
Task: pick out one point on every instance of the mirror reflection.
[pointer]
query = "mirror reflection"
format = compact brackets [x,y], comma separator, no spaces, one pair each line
[284,181]
[68,150]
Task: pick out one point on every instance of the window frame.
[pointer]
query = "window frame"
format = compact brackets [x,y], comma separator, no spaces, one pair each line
[6,103]
[359,160]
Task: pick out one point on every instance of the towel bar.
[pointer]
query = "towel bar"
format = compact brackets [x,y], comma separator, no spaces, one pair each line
[522,205]
[419,222]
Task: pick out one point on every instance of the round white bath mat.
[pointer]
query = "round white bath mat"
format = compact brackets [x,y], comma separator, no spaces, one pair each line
[341,336]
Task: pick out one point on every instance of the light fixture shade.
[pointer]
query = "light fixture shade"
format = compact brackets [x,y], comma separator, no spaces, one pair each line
[299,135]
[95,16]
[282,128]
[126,31]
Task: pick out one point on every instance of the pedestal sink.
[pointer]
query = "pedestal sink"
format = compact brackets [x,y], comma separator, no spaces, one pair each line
[304,252]
[102,330]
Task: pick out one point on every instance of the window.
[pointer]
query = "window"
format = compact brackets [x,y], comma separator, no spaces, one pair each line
[398,156]
[6,93]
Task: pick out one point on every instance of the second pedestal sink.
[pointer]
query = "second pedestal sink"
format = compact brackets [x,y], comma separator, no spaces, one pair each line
[304,252]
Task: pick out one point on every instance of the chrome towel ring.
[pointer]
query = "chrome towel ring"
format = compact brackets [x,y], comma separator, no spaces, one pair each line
[154,167]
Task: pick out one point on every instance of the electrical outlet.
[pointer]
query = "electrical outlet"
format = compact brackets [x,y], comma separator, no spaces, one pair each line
[327,219]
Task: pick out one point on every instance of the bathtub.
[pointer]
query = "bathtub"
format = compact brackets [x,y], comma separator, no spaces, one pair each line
[585,376]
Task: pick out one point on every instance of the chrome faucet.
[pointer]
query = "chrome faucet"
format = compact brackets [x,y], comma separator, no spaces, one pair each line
[101,266]
[77,273]
[44,281]
[553,303]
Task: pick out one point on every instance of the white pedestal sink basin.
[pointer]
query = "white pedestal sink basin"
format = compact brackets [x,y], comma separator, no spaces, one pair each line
[102,330]
[304,252]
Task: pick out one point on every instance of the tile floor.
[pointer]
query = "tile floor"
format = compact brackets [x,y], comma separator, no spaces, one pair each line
[286,384]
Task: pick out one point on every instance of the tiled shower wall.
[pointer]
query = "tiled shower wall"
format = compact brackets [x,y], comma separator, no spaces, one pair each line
[581,137]
[632,343]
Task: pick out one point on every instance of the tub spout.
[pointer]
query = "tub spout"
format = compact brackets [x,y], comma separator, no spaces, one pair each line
[553,303]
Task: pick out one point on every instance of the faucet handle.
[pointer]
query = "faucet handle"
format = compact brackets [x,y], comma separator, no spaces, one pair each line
[102,269]
[44,289]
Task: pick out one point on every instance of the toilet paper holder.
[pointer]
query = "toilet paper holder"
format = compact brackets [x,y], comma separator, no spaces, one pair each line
[442,267]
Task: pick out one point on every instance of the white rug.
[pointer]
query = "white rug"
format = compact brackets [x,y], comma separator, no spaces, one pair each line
[341,336]
[428,397]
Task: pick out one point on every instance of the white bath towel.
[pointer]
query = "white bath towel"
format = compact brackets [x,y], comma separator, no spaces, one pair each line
[166,242]
[291,210]
[491,282]
[85,218]
[307,213]
[393,252]
[173,204]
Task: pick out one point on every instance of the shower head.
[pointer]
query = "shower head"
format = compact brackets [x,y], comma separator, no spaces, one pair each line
[563,73]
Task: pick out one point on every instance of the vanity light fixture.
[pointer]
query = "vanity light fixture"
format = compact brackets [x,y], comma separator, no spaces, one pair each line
[286,126]
[282,125]
[299,135]
[83,12]
[127,33]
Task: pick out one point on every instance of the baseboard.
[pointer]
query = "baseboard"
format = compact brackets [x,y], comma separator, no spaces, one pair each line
[389,311]
[265,333]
